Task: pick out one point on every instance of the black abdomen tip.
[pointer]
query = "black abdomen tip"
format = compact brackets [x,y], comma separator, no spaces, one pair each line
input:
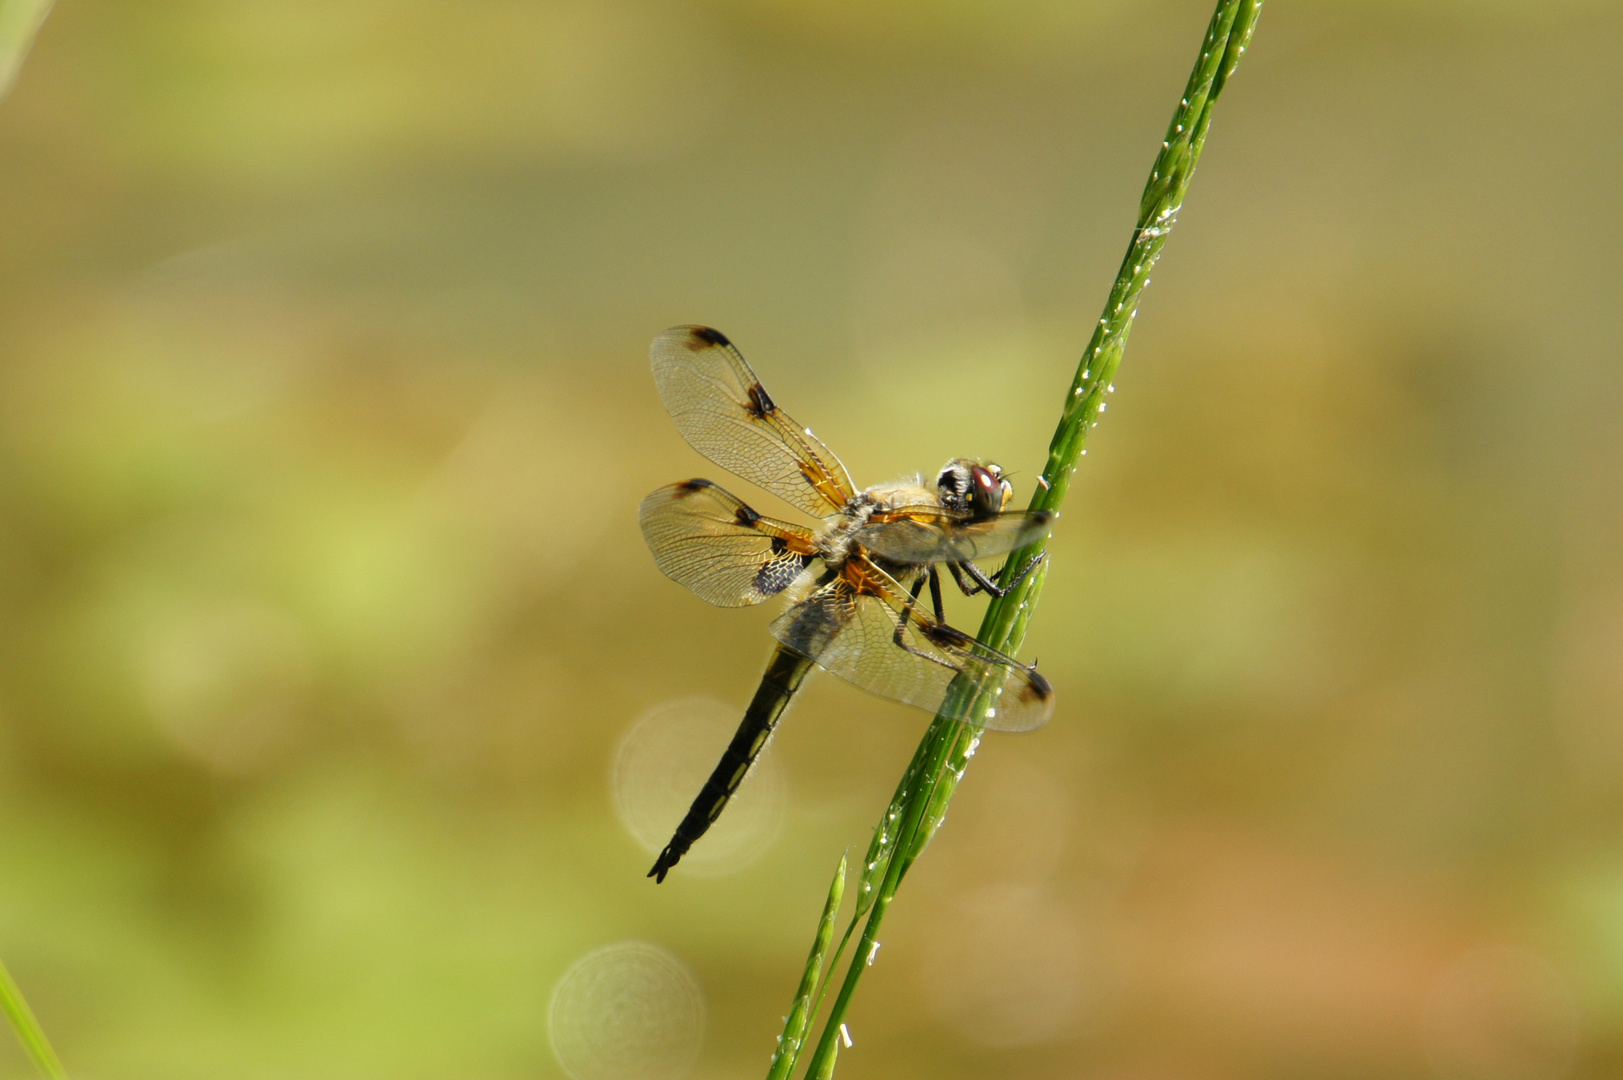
[662,865]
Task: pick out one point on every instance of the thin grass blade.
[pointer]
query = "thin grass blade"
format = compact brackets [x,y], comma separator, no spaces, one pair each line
[794,1029]
[29,1033]
[877,860]
[20,21]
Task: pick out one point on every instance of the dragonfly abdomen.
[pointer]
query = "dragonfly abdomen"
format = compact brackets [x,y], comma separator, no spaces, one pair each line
[784,673]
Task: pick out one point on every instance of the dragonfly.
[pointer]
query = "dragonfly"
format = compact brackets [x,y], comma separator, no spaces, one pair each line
[854,583]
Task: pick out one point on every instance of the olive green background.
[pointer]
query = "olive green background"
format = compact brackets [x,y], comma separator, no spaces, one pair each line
[325,412]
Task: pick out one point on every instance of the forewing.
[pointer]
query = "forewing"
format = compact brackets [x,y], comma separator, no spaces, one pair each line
[724,413]
[708,540]
[920,540]
[853,634]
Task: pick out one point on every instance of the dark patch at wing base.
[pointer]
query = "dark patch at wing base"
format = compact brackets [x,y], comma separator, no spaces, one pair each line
[709,540]
[775,576]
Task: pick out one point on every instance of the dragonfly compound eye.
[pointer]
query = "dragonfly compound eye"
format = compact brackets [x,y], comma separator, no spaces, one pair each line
[990,492]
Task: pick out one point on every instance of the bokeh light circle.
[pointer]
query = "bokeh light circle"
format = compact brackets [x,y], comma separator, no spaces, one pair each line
[627,1011]
[664,759]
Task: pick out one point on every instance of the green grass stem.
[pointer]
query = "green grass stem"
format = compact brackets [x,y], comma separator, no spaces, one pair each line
[926,788]
[29,1033]
[20,21]
[800,1015]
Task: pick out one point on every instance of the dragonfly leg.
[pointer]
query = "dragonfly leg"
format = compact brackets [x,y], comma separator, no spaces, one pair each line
[911,612]
[966,584]
[912,606]
[981,583]
[935,595]
[1031,564]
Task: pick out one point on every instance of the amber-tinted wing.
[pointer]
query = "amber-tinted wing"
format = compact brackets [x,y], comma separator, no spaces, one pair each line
[916,540]
[853,634]
[724,413]
[708,540]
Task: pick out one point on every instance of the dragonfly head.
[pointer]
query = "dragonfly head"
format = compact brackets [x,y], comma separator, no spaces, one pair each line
[968,487]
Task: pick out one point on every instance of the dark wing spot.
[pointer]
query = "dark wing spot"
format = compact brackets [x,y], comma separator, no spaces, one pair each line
[746,517]
[709,336]
[1037,690]
[779,545]
[942,634]
[690,487]
[760,406]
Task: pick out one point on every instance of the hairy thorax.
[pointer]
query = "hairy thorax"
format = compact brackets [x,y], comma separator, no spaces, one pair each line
[836,541]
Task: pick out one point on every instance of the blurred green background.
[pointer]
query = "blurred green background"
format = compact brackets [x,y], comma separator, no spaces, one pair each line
[325,412]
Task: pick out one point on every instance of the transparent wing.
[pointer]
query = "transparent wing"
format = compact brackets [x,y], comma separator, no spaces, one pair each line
[853,633]
[724,413]
[912,540]
[708,540]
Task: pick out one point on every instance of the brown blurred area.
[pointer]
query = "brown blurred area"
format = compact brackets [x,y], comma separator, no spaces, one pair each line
[325,412]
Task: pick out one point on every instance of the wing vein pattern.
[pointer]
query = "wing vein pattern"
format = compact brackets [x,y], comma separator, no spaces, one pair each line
[723,411]
[913,536]
[852,631]
[706,538]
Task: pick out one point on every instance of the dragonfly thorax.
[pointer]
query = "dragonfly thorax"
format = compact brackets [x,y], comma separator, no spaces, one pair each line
[837,541]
